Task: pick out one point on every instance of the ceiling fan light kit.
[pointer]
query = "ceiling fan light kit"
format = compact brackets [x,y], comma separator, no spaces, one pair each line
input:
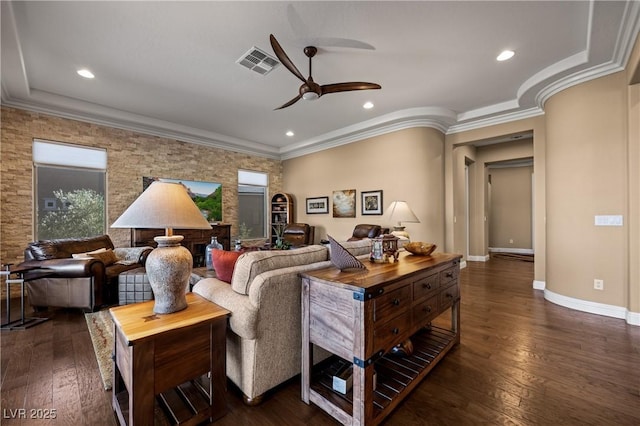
[310,90]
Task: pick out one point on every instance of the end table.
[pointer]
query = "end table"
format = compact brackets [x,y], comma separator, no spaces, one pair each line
[23,274]
[178,358]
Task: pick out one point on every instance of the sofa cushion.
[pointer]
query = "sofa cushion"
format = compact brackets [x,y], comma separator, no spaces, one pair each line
[224,263]
[107,256]
[356,247]
[252,264]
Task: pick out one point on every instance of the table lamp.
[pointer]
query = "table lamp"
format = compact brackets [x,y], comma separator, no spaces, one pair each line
[166,205]
[399,211]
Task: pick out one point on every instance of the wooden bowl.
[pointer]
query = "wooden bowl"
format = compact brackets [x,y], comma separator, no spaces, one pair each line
[420,248]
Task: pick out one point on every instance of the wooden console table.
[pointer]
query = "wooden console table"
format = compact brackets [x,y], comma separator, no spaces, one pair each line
[195,240]
[178,357]
[360,316]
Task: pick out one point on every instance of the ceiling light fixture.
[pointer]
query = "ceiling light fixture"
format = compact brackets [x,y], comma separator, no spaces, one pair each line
[505,54]
[367,105]
[289,133]
[85,73]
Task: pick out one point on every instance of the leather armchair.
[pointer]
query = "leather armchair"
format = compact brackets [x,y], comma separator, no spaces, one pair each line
[299,234]
[364,230]
[87,282]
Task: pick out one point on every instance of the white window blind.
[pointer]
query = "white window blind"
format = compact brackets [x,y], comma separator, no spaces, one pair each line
[246,177]
[60,154]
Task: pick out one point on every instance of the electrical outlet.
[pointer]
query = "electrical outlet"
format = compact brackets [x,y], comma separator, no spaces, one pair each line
[511,241]
[598,284]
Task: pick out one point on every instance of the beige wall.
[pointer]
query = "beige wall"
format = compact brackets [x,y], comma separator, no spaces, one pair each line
[510,208]
[130,156]
[587,169]
[406,165]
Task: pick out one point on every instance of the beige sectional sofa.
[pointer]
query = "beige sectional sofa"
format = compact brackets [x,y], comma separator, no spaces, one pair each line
[264,335]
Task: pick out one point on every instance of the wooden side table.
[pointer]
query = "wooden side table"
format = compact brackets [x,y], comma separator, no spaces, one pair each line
[178,358]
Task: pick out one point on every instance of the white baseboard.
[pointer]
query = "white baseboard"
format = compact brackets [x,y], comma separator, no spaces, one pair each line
[510,250]
[463,264]
[478,258]
[539,285]
[632,318]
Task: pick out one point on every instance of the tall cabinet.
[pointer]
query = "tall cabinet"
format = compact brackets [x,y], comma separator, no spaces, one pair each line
[281,212]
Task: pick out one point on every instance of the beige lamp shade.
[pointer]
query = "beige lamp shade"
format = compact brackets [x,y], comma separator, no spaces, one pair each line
[399,211]
[163,205]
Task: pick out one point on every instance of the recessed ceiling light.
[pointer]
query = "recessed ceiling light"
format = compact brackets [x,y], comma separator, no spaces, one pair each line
[289,133]
[367,105]
[506,54]
[85,73]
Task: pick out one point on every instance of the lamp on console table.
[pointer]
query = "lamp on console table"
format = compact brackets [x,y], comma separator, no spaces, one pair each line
[166,205]
[399,211]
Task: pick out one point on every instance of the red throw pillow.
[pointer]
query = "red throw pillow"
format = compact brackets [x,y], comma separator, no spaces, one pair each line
[224,262]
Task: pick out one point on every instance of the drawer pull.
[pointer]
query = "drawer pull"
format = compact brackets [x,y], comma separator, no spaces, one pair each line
[449,275]
[427,309]
[396,331]
[449,295]
[427,286]
[396,301]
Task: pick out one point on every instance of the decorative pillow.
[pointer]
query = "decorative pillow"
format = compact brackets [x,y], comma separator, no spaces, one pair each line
[341,258]
[107,256]
[223,263]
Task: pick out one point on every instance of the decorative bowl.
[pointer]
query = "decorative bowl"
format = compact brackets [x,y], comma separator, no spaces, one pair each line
[420,248]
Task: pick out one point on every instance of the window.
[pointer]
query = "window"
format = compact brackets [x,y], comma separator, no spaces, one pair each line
[252,204]
[70,190]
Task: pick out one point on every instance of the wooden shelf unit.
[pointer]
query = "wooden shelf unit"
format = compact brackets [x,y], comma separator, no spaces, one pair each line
[391,303]
[282,209]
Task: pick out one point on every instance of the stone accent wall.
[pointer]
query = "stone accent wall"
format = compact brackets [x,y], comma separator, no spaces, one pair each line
[130,157]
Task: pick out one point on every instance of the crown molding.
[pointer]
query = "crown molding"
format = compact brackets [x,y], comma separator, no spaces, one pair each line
[73,109]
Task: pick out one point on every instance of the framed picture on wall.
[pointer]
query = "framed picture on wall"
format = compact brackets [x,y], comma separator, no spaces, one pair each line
[318,205]
[344,203]
[371,202]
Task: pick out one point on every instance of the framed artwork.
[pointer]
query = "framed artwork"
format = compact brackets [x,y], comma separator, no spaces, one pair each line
[206,195]
[371,202]
[318,205]
[344,203]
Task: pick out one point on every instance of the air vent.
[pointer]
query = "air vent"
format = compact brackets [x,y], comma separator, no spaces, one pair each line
[258,60]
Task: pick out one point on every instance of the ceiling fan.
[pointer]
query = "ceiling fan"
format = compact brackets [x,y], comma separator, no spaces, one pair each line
[310,90]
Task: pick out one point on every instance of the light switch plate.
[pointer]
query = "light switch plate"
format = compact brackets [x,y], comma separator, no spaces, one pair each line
[608,220]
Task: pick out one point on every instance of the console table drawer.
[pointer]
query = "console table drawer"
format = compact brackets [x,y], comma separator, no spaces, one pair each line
[425,286]
[449,295]
[425,311]
[389,334]
[391,304]
[449,274]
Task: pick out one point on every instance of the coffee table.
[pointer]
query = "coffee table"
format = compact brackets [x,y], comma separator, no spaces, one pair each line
[177,358]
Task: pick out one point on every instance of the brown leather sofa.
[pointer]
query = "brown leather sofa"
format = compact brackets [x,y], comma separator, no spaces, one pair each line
[299,234]
[365,230]
[85,281]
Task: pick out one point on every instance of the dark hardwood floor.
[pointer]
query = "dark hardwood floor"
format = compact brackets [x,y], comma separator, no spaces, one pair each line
[522,360]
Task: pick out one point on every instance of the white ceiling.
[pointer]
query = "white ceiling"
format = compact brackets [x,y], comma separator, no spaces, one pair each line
[169,68]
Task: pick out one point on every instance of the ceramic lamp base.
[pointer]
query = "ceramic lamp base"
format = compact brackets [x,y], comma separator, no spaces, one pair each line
[169,268]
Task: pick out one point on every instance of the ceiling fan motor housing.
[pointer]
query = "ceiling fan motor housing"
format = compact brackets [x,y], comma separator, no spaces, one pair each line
[310,90]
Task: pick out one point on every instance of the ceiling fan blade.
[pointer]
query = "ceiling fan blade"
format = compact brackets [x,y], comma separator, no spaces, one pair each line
[346,87]
[291,102]
[282,56]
